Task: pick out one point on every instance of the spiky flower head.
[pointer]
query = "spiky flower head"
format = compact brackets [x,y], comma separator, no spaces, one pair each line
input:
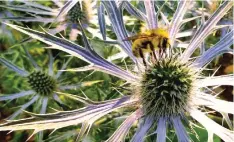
[80,12]
[166,88]
[76,13]
[42,83]
[65,14]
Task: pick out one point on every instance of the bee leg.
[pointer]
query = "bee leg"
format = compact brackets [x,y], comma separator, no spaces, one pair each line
[152,58]
[161,51]
[153,51]
[142,56]
[164,50]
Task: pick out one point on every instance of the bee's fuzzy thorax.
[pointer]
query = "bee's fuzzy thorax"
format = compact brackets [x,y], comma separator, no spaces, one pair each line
[158,32]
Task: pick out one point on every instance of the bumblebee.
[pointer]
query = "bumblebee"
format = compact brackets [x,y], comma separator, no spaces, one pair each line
[149,42]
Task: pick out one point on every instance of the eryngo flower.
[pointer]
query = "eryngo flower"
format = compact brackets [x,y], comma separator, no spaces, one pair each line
[45,84]
[66,14]
[4,13]
[168,90]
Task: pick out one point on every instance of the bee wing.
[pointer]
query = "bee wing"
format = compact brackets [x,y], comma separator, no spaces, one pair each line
[131,38]
[135,37]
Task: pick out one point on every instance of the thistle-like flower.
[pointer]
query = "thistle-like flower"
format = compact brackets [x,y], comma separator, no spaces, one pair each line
[45,84]
[168,87]
[67,14]
[3,28]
